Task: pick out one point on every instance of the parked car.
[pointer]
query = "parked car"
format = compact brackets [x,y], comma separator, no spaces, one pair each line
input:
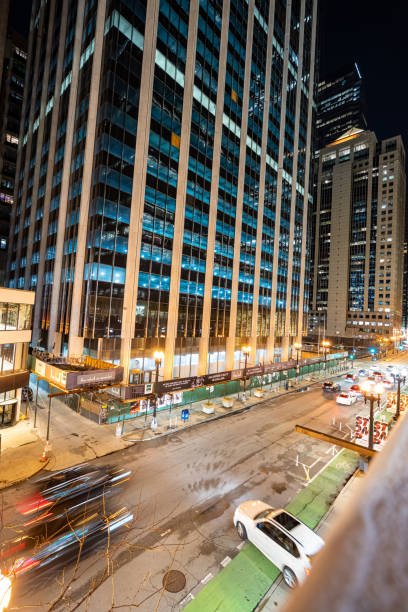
[356,390]
[346,398]
[282,538]
[331,387]
[27,394]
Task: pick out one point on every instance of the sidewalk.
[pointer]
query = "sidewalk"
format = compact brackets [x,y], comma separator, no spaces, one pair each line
[250,578]
[169,421]
[74,439]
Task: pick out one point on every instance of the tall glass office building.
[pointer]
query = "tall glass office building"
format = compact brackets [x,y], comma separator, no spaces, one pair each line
[164,179]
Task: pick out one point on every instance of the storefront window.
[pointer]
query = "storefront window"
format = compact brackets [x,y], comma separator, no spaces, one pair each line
[24,316]
[7,414]
[15,316]
[12,316]
[7,356]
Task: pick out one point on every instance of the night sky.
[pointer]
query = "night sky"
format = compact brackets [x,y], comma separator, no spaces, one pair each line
[372,32]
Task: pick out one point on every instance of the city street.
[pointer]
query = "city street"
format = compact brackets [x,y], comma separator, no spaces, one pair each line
[183,492]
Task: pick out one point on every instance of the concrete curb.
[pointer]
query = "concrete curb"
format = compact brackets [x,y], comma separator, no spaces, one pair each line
[19,480]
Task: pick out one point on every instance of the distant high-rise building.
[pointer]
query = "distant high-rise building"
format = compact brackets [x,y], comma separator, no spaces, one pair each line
[164,179]
[358,226]
[341,105]
[405,287]
[13,57]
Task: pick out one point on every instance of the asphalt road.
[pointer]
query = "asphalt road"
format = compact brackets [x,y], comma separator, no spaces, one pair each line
[183,492]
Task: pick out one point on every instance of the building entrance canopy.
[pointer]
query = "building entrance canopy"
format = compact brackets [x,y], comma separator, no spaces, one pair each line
[69,374]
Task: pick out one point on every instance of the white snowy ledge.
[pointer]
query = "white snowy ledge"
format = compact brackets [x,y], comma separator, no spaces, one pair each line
[364,565]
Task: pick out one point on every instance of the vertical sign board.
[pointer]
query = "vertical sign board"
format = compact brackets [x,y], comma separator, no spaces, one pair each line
[392,402]
[380,433]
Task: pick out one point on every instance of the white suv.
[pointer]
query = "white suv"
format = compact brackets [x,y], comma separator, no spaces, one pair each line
[281,537]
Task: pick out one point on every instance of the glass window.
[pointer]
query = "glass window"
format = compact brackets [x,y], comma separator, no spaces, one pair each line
[12,316]
[7,356]
[24,316]
[3,315]
[286,520]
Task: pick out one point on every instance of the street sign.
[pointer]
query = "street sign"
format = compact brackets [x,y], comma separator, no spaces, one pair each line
[148,388]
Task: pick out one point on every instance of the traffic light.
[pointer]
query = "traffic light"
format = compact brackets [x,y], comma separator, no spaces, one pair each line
[373,350]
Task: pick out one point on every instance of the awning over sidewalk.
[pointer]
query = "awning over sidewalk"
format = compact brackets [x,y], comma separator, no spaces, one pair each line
[70,374]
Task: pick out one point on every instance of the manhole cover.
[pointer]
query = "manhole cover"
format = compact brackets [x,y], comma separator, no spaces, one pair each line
[174,581]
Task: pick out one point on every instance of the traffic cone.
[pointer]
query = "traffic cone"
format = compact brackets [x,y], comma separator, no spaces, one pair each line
[43,458]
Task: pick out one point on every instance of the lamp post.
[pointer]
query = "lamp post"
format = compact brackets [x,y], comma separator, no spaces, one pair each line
[247,351]
[158,358]
[400,379]
[325,345]
[372,392]
[298,347]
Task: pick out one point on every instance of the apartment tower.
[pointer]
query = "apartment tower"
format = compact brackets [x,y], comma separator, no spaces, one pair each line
[358,224]
[164,179]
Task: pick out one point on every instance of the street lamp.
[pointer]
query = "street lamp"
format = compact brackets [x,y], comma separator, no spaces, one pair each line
[400,379]
[372,392]
[158,358]
[325,345]
[247,351]
[298,347]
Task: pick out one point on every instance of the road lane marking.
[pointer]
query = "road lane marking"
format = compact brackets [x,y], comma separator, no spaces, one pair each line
[225,561]
[186,600]
[321,470]
[207,578]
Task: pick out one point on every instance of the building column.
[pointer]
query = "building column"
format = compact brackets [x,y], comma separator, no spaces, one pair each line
[262,172]
[307,179]
[271,340]
[294,188]
[172,316]
[75,342]
[215,175]
[230,344]
[66,174]
[40,142]
[139,186]
[48,181]
[368,229]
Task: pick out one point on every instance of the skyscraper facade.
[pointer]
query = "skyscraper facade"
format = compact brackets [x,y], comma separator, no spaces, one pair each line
[164,179]
[341,104]
[358,224]
[13,57]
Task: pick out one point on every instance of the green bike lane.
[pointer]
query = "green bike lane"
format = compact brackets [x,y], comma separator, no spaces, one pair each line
[241,585]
